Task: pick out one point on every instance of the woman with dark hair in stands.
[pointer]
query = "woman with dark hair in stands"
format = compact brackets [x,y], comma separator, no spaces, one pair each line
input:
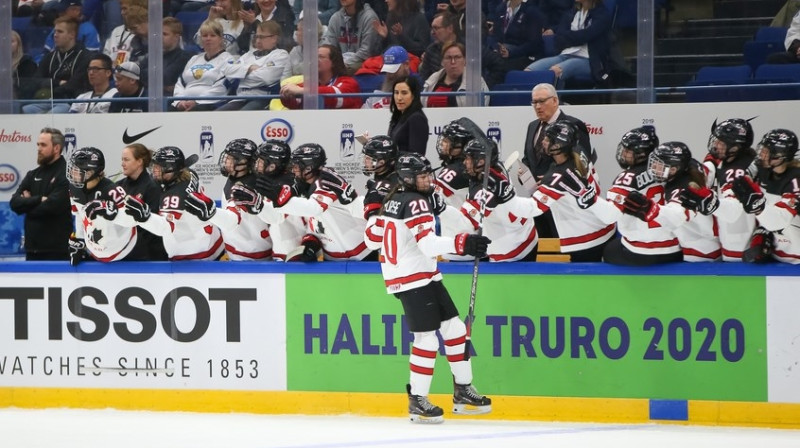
[276,10]
[408,126]
[585,43]
[405,26]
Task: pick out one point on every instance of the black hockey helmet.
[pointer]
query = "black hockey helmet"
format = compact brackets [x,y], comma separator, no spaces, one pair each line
[477,151]
[779,145]
[235,160]
[409,166]
[561,136]
[273,152]
[735,133]
[380,148]
[309,158]
[641,141]
[84,165]
[667,156]
[453,137]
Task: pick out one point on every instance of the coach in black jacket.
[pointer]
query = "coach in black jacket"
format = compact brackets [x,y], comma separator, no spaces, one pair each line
[43,196]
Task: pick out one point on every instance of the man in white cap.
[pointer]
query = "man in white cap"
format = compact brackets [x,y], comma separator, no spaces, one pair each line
[127,77]
[395,66]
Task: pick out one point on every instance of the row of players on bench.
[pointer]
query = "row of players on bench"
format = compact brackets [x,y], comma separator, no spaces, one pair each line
[738,204]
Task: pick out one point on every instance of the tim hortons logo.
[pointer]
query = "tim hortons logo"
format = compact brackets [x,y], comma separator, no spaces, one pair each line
[14,137]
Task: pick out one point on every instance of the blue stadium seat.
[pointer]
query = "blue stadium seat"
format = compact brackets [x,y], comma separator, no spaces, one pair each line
[191,21]
[774,74]
[550,45]
[756,52]
[771,34]
[530,78]
[20,24]
[523,98]
[718,76]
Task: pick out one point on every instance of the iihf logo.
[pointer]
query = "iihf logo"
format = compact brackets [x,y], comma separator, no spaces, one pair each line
[494,134]
[206,146]
[347,141]
[70,144]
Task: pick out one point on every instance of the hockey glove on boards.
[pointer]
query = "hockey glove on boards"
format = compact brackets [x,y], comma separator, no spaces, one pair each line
[77,251]
[640,206]
[200,205]
[749,193]
[311,245]
[248,199]
[760,247]
[471,244]
[105,209]
[700,199]
[137,208]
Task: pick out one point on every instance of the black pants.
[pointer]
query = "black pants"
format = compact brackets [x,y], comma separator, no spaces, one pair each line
[545,226]
[589,255]
[427,307]
[616,253]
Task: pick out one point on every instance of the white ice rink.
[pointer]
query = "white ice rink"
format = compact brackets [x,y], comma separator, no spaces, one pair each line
[62,428]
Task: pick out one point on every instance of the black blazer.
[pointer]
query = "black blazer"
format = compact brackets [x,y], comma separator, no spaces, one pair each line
[539,162]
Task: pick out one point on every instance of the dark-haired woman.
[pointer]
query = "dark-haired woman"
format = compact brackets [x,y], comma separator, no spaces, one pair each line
[408,126]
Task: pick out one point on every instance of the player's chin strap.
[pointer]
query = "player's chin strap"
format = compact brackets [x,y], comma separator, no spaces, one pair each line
[470,126]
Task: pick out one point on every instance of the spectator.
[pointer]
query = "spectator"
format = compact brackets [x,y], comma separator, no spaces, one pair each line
[203,75]
[791,43]
[450,79]
[118,44]
[333,79]
[277,11]
[177,6]
[395,66]
[136,21]
[443,33]
[260,70]
[137,182]
[129,85]
[87,33]
[405,26]
[350,28]
[23,68]
[62,73]
[408,126]
[516,33]
[325,9]
[99,73]
[553,11]
[458,8]
[784,17]
[584,38]
[296,55]
[43,196]
[175,57]
[227,13]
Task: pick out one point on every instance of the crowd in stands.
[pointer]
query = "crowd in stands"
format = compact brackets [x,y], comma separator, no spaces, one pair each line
[253,48]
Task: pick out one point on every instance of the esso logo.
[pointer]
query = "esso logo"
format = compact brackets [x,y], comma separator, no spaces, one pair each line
[277,129]
[9,177]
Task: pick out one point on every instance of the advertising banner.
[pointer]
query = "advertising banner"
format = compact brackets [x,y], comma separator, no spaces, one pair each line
[667,337]
[143,331]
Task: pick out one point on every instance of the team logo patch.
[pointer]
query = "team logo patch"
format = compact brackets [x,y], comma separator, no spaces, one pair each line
[9,177]
[277,129]
[70,144]
[347,140]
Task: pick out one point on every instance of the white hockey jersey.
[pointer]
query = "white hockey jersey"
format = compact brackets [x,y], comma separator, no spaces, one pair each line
[118,45]
[202,77]
[780,215]
[105,240]
[246,236]
[697,234]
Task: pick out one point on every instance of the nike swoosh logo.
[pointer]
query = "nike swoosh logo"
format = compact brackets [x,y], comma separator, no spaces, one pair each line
[128,139]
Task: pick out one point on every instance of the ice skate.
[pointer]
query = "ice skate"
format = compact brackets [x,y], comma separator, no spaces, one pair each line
[467,401]
[420,410]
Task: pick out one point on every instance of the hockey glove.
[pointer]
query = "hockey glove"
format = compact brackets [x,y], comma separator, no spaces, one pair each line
[248,199]
[311,245]
[77,251]
[749,193]
[438,204]
[587,196]
[200,205]
[712,159]
[700,199]
[373,201]
[105,209]
[137,208]
[640,206]
[275,191]
[760,248]
[471,244]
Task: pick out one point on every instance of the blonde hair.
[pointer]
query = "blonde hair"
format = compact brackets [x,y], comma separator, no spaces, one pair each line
[135,16]
[211,26]
[16,56]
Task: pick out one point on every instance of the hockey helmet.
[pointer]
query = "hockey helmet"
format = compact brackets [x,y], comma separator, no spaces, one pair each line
[734,134]
[308,158]
[451,142]
[640,142]
[476,152]
[168,160]
[236,159]
[668,160]
[410,166]
[84,165]
[776,147]
[561,137]
[380,148]
[272,152]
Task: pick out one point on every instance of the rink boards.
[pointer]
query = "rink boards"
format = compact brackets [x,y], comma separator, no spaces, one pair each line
[697,343]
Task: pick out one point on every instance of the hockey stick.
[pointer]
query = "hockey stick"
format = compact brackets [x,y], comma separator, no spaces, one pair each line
[478,134]
[511,159]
